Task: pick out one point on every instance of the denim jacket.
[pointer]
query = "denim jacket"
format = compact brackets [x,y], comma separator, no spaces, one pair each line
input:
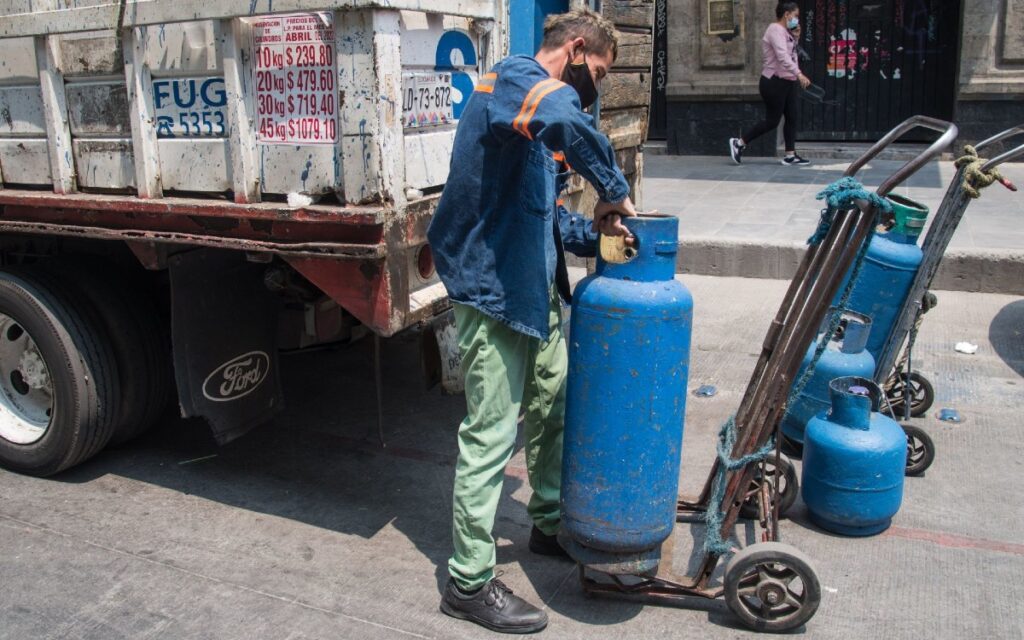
[494,232]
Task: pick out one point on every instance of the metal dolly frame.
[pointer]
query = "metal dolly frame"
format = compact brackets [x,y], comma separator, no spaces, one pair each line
[906,390]
[766,571]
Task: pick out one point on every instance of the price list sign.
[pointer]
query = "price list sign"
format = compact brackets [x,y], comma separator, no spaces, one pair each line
[296,99]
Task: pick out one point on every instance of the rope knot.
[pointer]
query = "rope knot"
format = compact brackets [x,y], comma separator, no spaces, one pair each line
[843,194]
[974,178]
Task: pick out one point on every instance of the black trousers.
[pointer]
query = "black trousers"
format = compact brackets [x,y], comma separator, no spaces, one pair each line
[780,99]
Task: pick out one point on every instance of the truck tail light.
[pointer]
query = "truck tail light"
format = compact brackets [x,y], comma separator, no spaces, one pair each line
[425,262]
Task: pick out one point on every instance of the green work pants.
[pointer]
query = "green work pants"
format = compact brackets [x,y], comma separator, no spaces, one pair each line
[505,371]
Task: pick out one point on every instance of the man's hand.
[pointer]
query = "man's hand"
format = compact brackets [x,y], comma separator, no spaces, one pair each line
[611,225]
[624,208]
[608,216]
[804,81]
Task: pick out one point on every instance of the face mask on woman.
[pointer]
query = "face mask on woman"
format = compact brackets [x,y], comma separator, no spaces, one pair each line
[793,23]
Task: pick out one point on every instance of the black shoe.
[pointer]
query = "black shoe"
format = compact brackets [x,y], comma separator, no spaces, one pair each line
[493,606]
[795,161]
[736,150]
[546,545]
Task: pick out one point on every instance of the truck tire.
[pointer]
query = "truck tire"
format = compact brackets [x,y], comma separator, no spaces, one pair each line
[137,337]
[58,376]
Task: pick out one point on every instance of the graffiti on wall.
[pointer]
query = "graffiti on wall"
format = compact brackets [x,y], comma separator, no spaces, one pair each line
[856,45]
[661,58]
[879,61]
[842,55]
[913,23]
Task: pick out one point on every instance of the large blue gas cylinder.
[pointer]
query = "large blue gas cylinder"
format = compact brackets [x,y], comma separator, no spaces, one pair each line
[888,272]
[629,353]
[854,462]
[844,355]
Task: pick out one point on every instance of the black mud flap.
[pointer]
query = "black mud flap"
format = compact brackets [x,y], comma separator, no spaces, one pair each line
[224,329]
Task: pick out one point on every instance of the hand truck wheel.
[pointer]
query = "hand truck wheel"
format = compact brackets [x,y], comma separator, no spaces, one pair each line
[772,586]
[920,390]
[789,486]
[920,450]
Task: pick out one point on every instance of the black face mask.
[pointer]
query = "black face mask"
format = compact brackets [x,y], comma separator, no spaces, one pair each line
[578,77]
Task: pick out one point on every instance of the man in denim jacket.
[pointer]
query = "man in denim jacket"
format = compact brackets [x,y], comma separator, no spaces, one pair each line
[497,238]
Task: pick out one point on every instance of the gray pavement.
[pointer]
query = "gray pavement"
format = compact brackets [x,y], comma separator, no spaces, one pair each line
[753,220]
[305,528]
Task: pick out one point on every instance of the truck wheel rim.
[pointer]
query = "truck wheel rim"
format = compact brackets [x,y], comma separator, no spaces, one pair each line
[26,389]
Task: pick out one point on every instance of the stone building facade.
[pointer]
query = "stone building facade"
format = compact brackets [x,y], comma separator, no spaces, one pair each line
[878,61]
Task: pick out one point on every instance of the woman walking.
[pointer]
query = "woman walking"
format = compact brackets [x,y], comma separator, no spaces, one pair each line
[780,85]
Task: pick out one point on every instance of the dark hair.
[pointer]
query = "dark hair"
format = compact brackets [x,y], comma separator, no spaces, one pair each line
[598,32]
[785,7]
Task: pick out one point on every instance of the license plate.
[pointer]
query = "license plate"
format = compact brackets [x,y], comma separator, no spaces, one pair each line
[426,99]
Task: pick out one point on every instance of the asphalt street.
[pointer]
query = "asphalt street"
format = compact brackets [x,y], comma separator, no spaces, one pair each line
[307,528]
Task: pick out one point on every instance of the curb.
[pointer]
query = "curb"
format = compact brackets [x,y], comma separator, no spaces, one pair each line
[825,151]
[981,271]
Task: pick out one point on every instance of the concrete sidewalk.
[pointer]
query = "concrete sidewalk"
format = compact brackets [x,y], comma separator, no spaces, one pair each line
[753,220]
[307,529]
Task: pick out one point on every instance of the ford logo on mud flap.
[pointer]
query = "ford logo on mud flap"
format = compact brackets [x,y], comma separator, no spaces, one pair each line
[237,377]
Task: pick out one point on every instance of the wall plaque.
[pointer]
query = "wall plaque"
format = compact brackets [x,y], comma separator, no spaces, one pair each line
[721,17]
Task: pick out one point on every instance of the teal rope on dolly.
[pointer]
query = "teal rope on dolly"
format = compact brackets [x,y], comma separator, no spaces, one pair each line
[839,196]
[713,541]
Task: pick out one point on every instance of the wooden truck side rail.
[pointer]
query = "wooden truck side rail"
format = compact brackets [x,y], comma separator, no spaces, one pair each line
[372,260]
[46,18]
[376,167]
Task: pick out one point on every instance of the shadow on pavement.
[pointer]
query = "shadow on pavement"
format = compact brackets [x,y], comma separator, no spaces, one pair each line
[319,462]
[1006,333]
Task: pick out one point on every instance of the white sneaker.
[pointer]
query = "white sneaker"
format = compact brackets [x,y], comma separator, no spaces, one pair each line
[736,150]
[795,161]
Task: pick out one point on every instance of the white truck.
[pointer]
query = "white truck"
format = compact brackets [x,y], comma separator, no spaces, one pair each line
[187,187]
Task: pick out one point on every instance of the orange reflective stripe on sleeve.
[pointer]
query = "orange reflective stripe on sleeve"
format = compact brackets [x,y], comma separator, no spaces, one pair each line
[486,83]
[540,86]
[536,103]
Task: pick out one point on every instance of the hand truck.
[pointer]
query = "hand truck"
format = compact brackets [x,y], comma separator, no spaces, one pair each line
[907,391]
[769,586]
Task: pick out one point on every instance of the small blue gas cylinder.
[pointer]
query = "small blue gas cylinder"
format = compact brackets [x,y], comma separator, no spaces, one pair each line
[888,272]
[854,462]
[629,353]
[844,355]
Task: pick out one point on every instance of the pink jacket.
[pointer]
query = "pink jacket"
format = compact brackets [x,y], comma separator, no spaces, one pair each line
[778,49]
